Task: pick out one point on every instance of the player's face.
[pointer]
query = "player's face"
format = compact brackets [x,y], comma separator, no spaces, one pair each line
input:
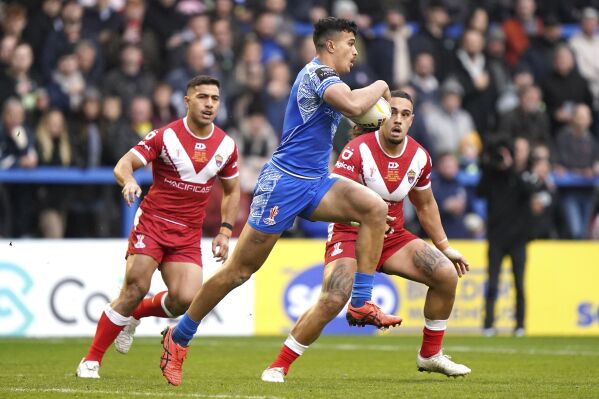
[396,128]
[202,103]
[345,51]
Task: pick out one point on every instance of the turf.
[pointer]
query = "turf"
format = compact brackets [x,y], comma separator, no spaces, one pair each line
[335,367]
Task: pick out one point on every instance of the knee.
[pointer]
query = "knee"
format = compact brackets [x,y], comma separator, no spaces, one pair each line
[135,290]
[332,303]
[446,277]
[241,275]
[375,211]
[178,303]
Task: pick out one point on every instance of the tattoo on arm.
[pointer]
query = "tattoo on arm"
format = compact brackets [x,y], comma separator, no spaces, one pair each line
[339,281]
[428,260]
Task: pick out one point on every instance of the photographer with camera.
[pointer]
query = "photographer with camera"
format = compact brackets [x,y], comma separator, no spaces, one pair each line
[507,185]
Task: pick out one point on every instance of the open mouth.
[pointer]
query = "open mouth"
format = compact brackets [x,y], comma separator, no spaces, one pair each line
[207,114]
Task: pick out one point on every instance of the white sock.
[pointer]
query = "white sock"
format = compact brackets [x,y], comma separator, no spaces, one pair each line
[435,325]
[295,346]
[116,317]
[163,304]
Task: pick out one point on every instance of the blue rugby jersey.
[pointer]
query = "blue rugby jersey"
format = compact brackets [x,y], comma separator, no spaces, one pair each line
[310,124]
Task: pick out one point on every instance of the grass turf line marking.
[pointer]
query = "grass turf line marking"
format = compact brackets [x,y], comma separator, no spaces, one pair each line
[142,394]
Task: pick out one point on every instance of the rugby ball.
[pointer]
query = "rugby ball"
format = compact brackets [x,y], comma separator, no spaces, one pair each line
[375,116]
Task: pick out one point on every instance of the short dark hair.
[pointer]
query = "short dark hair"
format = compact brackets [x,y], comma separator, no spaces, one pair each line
[202,80]
[402,94]
[326,27]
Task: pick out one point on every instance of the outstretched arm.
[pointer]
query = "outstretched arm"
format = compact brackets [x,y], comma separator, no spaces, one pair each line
[229,207]
[123,172]
[355,102]
[430,220]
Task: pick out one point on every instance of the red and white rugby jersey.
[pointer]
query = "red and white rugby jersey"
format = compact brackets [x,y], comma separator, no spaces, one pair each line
[364,160]
[184,169]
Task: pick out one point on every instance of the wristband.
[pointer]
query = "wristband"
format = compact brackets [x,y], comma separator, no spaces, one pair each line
[227,225]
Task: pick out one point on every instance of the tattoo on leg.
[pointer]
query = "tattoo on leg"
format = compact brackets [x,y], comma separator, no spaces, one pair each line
[428,260]
[339,282]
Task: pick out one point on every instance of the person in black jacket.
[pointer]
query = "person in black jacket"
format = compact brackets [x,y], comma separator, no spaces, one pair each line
[507,185]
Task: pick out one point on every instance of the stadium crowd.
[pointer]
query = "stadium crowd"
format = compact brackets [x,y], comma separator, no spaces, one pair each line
[83,81]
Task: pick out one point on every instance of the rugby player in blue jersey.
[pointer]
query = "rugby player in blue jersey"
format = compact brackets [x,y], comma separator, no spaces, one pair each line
[296,182]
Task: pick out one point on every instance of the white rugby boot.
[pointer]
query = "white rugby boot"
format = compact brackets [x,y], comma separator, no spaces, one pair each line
[273,374]
[441,363]
[88,369]
[124,340]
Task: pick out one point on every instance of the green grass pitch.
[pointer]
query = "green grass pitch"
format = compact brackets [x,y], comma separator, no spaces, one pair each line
[335,367]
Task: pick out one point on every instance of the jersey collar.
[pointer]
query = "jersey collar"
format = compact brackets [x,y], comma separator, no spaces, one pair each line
[378,141]
[193,135]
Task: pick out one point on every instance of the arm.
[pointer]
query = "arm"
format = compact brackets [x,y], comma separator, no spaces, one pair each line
[355,102]
[123,173]
[430,220]
[229,208]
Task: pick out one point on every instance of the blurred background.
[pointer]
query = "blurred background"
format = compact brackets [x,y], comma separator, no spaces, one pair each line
[81,81]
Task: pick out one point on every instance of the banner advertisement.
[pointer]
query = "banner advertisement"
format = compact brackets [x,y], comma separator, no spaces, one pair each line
[561,281]
[60,288]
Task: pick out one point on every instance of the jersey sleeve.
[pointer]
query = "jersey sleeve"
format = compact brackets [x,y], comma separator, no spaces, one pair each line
[349,162]
[149,148]
[424,180]
[231,169]
[324,77]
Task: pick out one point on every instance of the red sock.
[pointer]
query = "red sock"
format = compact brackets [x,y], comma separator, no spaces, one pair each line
[285,358]
[151,307]
[431,342]
[106,333]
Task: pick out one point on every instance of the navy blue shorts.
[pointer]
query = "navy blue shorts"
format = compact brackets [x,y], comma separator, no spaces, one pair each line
[279,197]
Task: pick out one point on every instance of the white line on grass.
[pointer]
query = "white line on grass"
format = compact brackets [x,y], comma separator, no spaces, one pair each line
[142,394]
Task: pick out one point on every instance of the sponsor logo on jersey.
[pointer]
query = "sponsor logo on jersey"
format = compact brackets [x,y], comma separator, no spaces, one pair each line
[303,290]
[336,249]
[140,241]
[343,165]
[200,146]
[325,72]
[188,187]
[219,160]
[270,220]
[346,154]
[392,175]
[411,176]
[393,165]
[199,156]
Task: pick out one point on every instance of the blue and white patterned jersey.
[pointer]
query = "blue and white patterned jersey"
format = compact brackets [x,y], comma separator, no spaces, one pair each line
[310,124]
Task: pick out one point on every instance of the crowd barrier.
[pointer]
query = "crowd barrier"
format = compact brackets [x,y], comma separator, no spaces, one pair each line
[54,175]
[57,288]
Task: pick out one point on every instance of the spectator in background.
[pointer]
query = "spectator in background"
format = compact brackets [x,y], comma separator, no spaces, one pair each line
[563,88]
[54,149]
[538,57]
[102,21]
[198,61]
[14,20]
[424,81]
[197,30]
[90,61]
[529,119]
[163,111]
[519,29]
[585,45]
[136,126]
[448,123]
[577,152]
[451,196]
[510,98]
[398,32]
[431,38]
[276,94]
[45,22]
[499,70]
[544,198]
[129,79]
[256,142]
[478,20]
[111,121]
[266,30]
[8,44]
[86,138]
[224,55]
[507,186]
[67,84]
[60,41]
[16,142]
[472,71]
